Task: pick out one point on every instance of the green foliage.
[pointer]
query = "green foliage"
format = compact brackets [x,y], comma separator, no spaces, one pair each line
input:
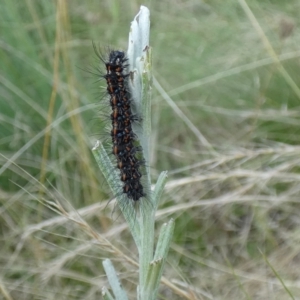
[229,204]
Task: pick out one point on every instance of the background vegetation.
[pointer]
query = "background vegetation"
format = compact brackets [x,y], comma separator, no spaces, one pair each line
[226,125]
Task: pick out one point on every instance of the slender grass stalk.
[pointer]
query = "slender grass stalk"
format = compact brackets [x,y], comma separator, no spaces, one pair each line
[142,228]
[278,276]
[269,48]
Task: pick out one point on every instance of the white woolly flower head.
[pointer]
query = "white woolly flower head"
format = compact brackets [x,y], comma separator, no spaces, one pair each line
[138,38]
